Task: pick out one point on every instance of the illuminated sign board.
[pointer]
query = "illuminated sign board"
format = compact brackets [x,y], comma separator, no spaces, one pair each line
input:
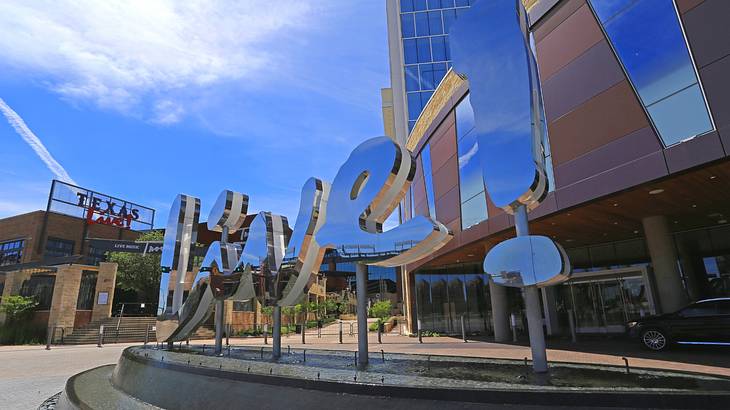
[98,208]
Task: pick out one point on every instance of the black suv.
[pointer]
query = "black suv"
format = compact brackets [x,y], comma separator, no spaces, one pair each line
[706,322]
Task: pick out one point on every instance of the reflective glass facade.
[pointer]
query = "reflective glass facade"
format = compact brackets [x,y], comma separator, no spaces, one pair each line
[648,40]
[424,31]
[428,178]
[444,295]
[471,183]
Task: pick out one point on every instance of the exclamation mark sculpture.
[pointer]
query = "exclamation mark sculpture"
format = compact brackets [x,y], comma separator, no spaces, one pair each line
[491,47]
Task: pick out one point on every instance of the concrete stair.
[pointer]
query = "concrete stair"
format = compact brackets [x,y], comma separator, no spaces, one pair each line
[130,329]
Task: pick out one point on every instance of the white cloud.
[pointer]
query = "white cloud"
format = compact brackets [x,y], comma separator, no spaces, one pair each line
[35,143]
[124,55]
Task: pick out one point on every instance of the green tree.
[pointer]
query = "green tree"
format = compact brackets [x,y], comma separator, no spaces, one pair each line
[137,272]
[381,310]
[17,308]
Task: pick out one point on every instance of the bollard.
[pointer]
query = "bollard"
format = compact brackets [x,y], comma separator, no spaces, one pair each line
[420,337]
[305,355]
[428,363]
[203,348]
[304,331]
[62,333]
[101,336]
[340,332]
[319,332]
[147,335]
[228,334]
[266,334]
[626,361]
[463,329]
[351,328]
[229,350]
[262,353]
[379,333]
[382,354]
[187,342]
[288,349]
[571,322]
[48,338]
[355,359]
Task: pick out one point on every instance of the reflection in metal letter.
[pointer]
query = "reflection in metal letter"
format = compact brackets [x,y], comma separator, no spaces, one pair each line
[491,47]
[508,266]
[365,191]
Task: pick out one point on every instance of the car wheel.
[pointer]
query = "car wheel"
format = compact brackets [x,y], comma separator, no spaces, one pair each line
[654,339]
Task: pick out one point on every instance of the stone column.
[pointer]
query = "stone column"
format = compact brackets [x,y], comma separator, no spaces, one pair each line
[667,280]
[500,312]
[65,297]
[105,282]
[551,312]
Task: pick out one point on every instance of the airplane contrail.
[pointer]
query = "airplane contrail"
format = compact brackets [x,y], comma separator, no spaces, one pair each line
[31,139]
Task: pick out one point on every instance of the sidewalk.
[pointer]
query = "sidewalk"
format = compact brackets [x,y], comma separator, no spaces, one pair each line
[708,360]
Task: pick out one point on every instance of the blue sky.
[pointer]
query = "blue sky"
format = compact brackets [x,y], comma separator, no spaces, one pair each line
[149,99]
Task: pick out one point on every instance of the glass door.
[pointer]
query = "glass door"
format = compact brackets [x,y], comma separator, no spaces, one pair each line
[612,305]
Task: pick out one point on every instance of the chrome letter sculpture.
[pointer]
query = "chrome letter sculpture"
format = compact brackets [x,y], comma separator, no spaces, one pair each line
[277,265]
[492,47]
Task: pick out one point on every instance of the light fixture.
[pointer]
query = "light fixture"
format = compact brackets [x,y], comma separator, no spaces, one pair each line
[656,191]
[615,223]
[713,176]
[470,254]
[615,204]
[722,221]
[636,231]
[694,205]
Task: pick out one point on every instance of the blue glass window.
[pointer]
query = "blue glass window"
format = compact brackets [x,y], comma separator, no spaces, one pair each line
[438,47]
[460,3]
[410,53]
[425,96]
[412,78]
[447,3]
[428,179]
[419,4]
[648,40]
[434,4]
[406,5]
[449,17]
[414,106]
[407,25]
[421,24]
[439,71]
[424,50]
[434,23]
[471,183]
[426,76]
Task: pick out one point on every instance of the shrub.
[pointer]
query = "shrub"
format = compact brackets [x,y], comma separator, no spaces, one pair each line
[18,328]
[381,310]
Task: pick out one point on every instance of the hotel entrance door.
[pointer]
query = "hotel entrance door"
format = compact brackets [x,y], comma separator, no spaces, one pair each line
[604,301]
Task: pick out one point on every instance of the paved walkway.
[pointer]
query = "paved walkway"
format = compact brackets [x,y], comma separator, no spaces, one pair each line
[30,374]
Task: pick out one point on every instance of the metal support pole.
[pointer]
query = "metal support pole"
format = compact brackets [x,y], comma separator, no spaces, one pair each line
[48,338]
[340,331]
[276,350]
[532,305]
[463,329]
[266,333]
[228,334]
[379,333]
[147,335]
[304,331]
[420,337]
[219,306]
[361,272]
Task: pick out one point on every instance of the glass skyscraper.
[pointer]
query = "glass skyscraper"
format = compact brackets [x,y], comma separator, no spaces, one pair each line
[418,36]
